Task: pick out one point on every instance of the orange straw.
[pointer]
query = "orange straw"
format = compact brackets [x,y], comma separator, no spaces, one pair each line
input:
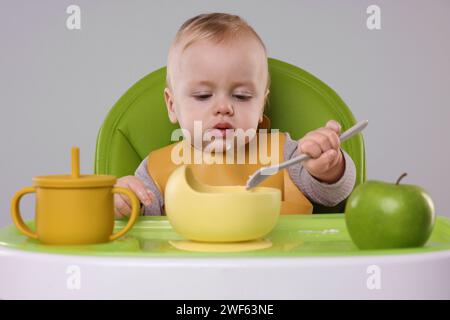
[75,162]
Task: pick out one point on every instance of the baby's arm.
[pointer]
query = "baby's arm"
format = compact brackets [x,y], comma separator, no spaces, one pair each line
[156,207]
[320,192]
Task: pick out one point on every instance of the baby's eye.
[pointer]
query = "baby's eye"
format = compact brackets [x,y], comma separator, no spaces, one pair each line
[242,97]
[202,97]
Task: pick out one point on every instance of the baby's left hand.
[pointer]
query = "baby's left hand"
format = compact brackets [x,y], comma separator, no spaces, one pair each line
[327,162]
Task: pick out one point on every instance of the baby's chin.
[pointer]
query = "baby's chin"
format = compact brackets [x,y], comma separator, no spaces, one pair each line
[217,146]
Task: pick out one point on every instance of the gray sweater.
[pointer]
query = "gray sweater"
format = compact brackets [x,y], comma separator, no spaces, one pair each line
[318,192]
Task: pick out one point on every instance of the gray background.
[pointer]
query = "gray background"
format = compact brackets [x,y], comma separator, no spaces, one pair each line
[57,85]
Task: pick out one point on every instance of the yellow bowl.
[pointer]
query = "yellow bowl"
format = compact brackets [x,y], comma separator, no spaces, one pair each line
[208,213]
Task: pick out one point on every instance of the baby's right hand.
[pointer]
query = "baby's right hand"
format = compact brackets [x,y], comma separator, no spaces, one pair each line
[122,204]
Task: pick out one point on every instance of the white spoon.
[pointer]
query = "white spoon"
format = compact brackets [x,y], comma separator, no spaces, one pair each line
[263,173]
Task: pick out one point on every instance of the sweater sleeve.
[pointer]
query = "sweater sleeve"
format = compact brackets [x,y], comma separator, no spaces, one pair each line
[320,192]
[157,207]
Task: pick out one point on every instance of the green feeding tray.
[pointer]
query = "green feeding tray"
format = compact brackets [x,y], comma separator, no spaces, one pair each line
[310,257]
[319,235]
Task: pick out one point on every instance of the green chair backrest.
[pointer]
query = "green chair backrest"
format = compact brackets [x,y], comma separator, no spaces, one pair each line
[298,102]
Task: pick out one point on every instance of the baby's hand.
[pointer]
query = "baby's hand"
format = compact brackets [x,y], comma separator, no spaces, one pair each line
[122,204]
[323,146]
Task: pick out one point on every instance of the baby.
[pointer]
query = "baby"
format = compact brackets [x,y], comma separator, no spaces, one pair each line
[217,73]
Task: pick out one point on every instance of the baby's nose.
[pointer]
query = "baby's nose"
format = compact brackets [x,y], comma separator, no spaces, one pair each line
[224,108]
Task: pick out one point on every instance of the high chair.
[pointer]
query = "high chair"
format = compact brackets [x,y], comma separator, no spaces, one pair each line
[310,257]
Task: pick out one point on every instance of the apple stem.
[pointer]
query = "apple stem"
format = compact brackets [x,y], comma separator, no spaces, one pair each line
[401,177]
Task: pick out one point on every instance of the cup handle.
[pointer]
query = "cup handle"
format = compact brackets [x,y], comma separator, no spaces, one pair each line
[135,211]
[15,212]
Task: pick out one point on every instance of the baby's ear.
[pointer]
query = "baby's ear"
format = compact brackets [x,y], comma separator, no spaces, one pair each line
[168,97]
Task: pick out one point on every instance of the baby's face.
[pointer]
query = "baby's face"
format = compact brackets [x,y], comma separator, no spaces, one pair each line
[220,84]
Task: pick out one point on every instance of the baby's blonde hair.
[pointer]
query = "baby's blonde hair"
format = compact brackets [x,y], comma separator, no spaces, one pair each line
[216,27]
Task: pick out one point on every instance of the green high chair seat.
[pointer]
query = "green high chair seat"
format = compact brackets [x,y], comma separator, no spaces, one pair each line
[298,102]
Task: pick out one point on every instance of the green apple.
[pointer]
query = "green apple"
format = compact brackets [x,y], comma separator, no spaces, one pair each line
[381,215]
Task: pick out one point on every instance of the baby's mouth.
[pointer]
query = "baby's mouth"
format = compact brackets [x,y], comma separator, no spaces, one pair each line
[223,129]
[217,137]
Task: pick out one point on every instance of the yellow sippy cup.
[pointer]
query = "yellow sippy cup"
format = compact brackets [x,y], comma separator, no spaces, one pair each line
[74,209]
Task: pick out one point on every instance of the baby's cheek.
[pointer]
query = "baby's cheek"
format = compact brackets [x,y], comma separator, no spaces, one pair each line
[251,122]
